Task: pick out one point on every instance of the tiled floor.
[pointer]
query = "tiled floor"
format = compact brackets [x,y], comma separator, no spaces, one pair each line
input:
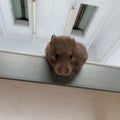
[34,101]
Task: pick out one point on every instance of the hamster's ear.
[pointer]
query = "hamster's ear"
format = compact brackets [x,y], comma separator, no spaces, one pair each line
[53,36]
[73,41]
[53,39]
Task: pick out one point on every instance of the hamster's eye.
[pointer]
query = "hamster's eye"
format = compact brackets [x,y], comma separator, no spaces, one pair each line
[56,56]
[70,56]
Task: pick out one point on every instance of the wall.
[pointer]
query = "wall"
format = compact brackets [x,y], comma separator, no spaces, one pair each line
[52,15]
[51,18]
[107,40]
[114,58]
[23,44]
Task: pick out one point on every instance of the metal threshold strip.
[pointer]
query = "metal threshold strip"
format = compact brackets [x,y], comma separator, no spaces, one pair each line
[36,69]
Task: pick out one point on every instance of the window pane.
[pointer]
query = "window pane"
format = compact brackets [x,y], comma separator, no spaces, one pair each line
[20,9]
[17,8]
[86,17]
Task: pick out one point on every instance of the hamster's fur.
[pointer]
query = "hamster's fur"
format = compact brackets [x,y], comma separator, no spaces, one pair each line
[65,54]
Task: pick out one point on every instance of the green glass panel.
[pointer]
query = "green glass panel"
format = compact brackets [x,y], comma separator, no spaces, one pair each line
[86,17]
[26,8]
[17,8]
[20,12]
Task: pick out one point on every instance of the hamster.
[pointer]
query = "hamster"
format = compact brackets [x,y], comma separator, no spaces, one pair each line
[65,54]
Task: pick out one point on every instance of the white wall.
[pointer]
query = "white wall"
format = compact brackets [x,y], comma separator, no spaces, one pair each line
[23,44]
[101,34]
[11,27]
[107,39]
[96,22]
[114,59]
[51,18]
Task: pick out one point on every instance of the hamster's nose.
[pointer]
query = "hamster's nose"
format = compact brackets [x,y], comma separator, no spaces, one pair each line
[63,70]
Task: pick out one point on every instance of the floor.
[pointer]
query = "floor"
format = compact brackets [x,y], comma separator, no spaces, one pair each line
[33,101]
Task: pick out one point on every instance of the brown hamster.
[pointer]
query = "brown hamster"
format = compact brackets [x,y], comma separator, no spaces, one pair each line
[65,54]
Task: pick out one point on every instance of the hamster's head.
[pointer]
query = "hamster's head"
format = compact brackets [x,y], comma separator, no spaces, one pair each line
[61,54]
